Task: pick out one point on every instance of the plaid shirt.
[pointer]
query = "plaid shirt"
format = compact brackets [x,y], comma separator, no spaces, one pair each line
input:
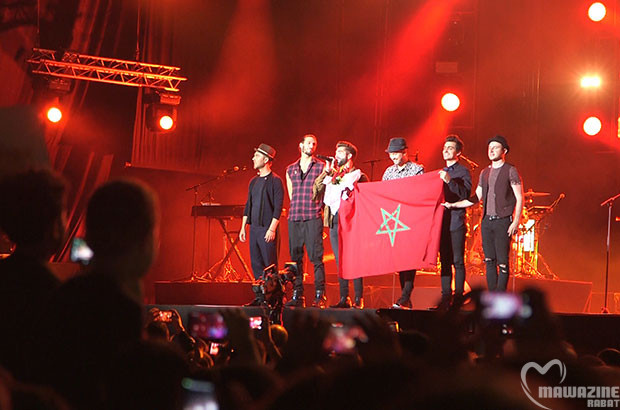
[303,208]
[408,170]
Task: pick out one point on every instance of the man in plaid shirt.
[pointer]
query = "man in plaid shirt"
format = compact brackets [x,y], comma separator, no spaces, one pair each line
[305,225]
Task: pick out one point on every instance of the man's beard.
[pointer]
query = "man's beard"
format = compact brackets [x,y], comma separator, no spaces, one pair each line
[341,161]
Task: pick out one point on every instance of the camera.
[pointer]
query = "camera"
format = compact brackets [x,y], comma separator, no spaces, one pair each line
[272,284]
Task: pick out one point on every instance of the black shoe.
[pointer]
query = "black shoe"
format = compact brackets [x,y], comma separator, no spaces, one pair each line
[343,303]
[359,303]
[402,304]
[443,306]
[298,299]
[320,301]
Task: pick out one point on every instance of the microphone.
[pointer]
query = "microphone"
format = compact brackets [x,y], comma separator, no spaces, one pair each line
[234,169]
[325,158]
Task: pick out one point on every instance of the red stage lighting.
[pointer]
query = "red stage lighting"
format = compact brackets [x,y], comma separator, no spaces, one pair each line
[590,81]
[54,114]
[161,111]
[450,102]
[592,126]
[597,11]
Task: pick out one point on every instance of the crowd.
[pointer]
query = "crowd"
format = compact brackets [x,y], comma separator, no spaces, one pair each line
[88,343]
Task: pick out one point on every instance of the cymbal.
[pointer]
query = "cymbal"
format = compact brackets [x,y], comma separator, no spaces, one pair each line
[531,194]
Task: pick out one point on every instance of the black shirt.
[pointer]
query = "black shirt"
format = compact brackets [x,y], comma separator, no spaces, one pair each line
[457,189]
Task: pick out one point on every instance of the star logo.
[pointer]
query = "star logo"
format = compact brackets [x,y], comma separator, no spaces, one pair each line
[398,226]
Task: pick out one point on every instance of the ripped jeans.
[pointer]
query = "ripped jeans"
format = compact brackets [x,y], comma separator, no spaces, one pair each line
[496,246]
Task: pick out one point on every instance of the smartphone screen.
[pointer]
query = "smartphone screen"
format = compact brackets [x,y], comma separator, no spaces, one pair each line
[256,322]
[199,395]
[165,315]
[342,339]
[500,306]
[214,349]
[80,252]
[208,326]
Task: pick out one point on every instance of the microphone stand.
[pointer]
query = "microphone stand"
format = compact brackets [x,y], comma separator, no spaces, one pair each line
[372,163]
[194,277]
[610,203]
[471,163]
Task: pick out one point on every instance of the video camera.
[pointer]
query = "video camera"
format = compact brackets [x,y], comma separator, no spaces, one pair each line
[272,284]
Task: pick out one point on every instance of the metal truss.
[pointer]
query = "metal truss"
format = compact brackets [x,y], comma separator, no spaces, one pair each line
[105,70]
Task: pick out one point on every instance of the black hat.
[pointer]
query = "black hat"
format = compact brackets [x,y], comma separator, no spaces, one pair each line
[397,144]
[501,140]
[266,150]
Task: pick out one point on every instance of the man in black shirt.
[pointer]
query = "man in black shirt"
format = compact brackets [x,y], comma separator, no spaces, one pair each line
[501,191]
[262,212]
[456,187]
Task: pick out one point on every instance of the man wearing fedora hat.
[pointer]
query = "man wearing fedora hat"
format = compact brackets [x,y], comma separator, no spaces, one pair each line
[501,190]
[262,212]
[335,183]
[402,167]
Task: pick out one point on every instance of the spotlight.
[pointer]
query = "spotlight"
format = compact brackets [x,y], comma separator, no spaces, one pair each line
[161,111]
[450,102]
[597,11]
[592,126]
[166,122]
[54,114]
[590,81]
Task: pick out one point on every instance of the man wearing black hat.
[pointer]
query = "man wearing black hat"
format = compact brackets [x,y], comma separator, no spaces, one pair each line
[501,190]
[262,212]
[403,167]
[334,183]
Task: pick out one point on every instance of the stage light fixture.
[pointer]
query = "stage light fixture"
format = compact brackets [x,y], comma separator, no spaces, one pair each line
[592,126]
[166,122]
[54,114]
[450,102]
[597,11]
[590,81]
[161,111]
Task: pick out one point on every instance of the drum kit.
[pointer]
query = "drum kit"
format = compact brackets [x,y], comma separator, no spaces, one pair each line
[525,258]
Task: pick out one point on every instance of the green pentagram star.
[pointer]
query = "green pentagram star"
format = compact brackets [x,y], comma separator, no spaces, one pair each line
[398,225]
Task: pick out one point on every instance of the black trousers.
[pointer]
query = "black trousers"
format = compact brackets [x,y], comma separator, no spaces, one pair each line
[310,234]
[406,278]
[496,246]
[358,285]
[452,253]
[262,254]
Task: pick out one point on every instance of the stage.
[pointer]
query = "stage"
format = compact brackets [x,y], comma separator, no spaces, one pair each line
[381,291]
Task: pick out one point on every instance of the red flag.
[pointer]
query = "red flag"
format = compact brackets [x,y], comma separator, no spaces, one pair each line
[391,226]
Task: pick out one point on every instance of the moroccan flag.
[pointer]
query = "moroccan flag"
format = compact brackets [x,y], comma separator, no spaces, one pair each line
[391,226]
